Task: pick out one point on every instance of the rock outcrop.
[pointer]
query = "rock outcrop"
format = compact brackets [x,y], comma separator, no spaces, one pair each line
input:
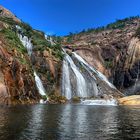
[113,50]
[130,100]
[6,13]
[17,83]
[17,80]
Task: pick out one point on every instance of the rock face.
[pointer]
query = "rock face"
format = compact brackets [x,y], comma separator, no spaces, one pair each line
[130,100]
[6,13]
[17,81]
[113,50]
[49,70]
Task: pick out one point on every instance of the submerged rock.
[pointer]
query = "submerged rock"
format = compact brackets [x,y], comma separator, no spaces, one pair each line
[57,99]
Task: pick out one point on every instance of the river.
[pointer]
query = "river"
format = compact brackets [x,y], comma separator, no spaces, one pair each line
[69,122]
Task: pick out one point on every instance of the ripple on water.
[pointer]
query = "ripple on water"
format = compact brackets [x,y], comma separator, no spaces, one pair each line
[66,122]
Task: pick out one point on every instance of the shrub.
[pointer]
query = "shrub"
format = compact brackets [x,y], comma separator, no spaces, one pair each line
[13,40]
[109,64]
[8,20]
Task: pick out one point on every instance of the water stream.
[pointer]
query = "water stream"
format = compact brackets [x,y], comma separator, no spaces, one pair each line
[28,45]
[89,82]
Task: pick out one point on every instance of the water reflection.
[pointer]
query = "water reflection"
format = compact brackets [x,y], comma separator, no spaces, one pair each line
[66,122]
[88,121]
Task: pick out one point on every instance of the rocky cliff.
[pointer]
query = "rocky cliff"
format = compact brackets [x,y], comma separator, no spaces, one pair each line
[17,81]
[113,50]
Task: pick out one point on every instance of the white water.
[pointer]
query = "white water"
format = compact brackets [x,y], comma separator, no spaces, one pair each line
[81,83]
[66,85]
[28,45]
[81,90]
[39,84]
[111,102]
[49,39]
[100,75]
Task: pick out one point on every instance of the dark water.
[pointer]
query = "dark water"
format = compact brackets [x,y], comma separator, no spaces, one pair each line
[69,122]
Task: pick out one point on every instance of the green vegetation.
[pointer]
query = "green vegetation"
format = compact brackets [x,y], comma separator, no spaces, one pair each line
[8,20]
[57,99]
[40,43]
[57,52]
[44,97]
[109,64]
[14,43]
[13,40]
[57,39]
[37,37]
[121,23]
[118,24]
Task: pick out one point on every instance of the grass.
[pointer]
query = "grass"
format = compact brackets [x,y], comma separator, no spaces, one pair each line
[37,37]
[14,43]
[118,24]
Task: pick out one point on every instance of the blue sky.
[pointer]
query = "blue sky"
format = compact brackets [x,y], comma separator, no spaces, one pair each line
[63,16]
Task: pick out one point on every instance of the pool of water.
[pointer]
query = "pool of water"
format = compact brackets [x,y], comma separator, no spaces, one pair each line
[69,122]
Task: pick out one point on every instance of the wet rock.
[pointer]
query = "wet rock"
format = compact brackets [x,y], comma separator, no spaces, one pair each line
[57,99]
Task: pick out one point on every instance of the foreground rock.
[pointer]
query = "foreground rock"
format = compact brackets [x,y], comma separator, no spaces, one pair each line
[130,100]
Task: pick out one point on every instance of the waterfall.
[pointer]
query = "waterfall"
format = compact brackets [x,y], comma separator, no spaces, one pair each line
[39,85]
[80,81]
[49,39]
[99,74]
[66,86]
[28,45]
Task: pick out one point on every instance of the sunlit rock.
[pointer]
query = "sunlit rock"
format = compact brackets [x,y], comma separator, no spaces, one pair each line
[130,100]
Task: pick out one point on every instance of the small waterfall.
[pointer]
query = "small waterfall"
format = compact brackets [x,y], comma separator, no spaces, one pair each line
[28,45]
[80,81]
[49,39]
[39,85]
[66,86]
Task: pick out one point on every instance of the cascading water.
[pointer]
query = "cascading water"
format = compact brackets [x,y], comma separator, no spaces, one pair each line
[89,82]
[28,45]
[39,85]
[111,102]
[80,81]
[99,74]
[66,85]
[49,39]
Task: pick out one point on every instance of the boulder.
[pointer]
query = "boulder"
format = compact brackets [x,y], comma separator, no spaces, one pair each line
[130,100]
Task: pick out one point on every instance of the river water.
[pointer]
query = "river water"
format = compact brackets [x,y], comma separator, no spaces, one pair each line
[69,122]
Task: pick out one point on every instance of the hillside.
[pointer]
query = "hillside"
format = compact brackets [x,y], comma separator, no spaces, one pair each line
[31,65]
[17,81]
[113,50]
